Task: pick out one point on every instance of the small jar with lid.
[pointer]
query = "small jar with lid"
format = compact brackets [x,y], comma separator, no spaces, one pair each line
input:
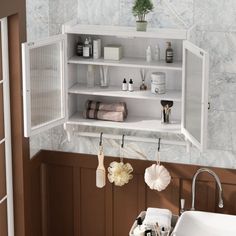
[158,83]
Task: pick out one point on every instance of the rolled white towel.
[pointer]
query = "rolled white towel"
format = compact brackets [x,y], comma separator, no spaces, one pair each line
[158,215]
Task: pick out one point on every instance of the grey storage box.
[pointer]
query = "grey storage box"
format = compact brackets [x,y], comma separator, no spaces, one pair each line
[113,52]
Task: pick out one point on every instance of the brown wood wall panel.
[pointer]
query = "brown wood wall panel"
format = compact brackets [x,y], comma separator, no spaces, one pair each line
[92,204]
[35,203]
[125,206]
[74,206]
[3,218]
[2,171]
[229,199]
[59,190]
[203,188]
[168,198]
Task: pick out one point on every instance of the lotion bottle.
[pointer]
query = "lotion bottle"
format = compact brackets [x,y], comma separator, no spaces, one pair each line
[124,85]
[131,85]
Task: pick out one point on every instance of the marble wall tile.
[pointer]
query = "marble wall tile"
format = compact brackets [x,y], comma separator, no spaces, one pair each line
[233,119]
[219,158]
[37,9]
[219,130]
[215,15]
[222,50]
[55,28]
[185,9]
[62,11]
[126,15]
[166,11]
[98,12]
[222,91]
[37,19]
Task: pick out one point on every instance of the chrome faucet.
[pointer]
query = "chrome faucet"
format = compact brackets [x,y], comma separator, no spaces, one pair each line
[221,203]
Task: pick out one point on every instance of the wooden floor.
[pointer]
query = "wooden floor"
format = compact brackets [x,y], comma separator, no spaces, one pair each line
[64,195]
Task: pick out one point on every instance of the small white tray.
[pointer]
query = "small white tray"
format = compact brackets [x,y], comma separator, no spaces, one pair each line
[143,214]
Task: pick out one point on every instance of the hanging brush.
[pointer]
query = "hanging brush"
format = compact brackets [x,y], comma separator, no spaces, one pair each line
[100,172]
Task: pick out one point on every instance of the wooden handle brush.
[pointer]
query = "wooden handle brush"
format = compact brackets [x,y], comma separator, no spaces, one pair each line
[100,172]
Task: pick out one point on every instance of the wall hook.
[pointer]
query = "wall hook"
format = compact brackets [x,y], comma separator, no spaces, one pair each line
[123,141]
[100,143]
[159,144]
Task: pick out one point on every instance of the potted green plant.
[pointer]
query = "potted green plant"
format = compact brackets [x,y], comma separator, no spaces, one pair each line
[140,9]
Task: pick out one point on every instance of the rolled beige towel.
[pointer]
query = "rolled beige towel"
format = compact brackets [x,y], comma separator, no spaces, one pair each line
[105,115]
[96,105]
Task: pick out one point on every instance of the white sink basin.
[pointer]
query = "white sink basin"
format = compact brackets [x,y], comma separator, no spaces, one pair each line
[198,223]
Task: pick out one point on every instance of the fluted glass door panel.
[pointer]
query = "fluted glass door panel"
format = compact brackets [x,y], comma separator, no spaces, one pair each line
[44,84]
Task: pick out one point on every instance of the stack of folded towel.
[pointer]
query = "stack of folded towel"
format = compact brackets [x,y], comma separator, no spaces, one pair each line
[105,111]
[158,215]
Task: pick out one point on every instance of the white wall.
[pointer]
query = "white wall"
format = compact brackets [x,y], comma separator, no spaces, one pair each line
[215,32]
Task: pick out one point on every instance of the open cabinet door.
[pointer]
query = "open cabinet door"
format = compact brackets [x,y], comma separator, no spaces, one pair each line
[44,88]
[195,94]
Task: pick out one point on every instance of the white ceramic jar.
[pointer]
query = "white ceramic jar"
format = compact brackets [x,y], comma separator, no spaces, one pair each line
[158,83]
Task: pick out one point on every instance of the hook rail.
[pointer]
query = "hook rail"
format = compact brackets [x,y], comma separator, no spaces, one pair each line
[129,138]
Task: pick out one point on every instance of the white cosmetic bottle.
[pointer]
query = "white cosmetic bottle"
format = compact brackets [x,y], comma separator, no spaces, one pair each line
[131,85]
[124,85]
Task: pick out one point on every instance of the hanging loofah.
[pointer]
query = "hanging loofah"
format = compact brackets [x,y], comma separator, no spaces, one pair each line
[157,177]
[120,173]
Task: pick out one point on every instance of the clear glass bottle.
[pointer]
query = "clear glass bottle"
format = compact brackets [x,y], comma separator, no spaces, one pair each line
[90,77]
[157,53]
[104,76]
[143,86]
[149,54]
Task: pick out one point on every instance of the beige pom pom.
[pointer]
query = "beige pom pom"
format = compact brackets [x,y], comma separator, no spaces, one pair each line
[157,177]
[120,173]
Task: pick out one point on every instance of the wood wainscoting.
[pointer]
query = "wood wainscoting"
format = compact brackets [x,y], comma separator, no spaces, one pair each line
[64,194]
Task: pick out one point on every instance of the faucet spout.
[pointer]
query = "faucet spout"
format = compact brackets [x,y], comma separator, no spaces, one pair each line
[221,202]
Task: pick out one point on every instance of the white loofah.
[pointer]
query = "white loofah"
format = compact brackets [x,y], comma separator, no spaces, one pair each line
[157,177]
[120,173]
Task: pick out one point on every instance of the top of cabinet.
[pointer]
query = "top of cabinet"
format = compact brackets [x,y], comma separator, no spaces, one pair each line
[124,32]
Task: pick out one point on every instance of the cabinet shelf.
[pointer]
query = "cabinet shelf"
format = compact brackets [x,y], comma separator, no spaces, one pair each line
[131,123]
[125,32]
[115,91]
[128,62]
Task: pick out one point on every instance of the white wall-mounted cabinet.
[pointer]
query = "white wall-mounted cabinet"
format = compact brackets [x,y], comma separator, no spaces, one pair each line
[55,89]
